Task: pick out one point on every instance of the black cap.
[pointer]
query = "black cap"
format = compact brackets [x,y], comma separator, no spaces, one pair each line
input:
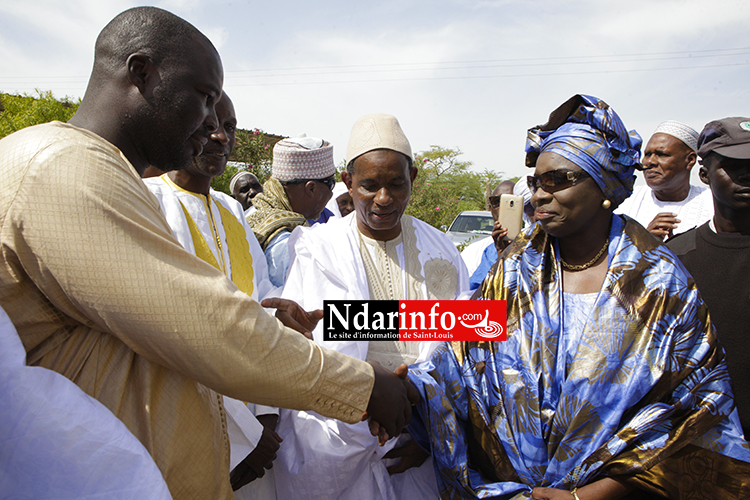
[729,137]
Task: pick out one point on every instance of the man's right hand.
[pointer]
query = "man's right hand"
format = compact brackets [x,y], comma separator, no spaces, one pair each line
[389,409]
[663,224]
[292,315]
[499,234]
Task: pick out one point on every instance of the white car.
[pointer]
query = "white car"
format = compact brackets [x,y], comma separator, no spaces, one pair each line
[470,226]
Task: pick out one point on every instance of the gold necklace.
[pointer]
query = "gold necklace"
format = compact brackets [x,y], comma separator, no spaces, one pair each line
[587,264]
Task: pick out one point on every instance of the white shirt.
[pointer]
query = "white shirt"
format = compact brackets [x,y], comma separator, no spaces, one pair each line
[472,254]
[58,442]
[693,211]
[320,457]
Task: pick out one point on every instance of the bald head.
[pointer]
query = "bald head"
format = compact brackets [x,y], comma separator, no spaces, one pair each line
[154,32]
[505,187]
[153,89]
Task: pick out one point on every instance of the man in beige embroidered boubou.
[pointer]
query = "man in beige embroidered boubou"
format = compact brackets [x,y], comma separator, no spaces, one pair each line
[374,253]
[102,292]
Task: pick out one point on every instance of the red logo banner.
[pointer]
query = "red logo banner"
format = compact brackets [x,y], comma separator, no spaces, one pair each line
[452,320]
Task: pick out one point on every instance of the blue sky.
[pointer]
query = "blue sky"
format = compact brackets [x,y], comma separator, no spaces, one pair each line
[461,74]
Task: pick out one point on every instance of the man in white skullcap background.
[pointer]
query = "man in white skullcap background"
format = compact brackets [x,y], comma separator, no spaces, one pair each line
[244,186]
[341,203]
[377,253]
[301,182]
[669,204]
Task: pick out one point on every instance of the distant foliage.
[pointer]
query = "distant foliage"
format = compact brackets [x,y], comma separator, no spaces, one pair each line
[445,186]
[21,111]
[253,152]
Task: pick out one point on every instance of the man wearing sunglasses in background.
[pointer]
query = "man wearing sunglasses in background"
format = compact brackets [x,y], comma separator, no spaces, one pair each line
[301,183]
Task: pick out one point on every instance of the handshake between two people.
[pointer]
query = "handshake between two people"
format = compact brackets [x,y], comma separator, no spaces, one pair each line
[391,401]
[393,395]
[388,411]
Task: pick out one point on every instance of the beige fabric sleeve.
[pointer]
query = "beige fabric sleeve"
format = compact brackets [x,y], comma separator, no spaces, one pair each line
[90,235]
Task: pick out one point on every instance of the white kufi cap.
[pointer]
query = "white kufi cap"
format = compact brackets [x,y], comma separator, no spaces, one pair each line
[236,177]
[377,131]
[679,130]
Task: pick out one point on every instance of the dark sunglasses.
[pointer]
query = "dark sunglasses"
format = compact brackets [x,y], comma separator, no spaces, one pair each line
[494,201]
[328,181]
[554,180]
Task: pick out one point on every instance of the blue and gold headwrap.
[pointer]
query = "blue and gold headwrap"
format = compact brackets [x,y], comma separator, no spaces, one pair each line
[586,131]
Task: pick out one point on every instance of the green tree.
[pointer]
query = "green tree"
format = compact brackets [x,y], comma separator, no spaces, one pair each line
[445,186]
[490,180]
[21,111]
[252,152]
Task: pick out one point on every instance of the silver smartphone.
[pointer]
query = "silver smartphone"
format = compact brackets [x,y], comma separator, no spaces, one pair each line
[511,214]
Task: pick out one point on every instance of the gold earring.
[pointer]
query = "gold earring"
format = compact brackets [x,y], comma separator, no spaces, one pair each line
[606,204]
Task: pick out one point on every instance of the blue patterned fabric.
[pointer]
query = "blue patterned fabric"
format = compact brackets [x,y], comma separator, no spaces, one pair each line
[489,257]
[587,132]
[641,396]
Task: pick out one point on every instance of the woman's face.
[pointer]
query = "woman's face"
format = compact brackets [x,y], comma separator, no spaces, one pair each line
[570,208]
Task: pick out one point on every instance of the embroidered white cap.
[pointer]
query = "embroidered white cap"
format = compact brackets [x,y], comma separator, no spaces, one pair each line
[679,130]
[302,158]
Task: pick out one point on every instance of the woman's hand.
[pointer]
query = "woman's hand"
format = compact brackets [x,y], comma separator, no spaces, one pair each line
[603,489]
[552,494]
[411,455]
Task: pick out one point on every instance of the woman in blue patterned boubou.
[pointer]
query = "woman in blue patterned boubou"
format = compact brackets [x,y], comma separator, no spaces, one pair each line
[611,383]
